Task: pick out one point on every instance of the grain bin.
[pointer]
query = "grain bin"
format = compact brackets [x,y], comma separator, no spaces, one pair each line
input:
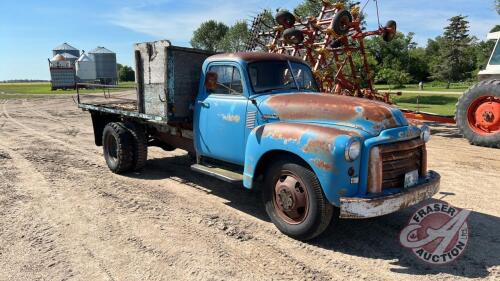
[105,65]
[62,73]
[85,69]
[66,48]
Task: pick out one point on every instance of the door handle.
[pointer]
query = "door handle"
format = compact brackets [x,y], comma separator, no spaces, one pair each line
[204,103]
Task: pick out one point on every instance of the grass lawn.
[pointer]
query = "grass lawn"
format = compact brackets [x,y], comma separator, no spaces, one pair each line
[433,103]
[44,88]
[434,87]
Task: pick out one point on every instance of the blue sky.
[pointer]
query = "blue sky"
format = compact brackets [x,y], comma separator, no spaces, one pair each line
[29,29]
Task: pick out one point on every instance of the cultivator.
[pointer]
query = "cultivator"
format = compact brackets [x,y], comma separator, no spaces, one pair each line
[332,43]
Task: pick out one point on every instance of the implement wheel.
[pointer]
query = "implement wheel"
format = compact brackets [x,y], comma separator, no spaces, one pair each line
[294,200]
[285,18]
[389,31]
[342,22]
[293,36]
[478,114]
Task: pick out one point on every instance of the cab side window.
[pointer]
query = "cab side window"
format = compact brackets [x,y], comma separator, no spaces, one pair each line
[228,80]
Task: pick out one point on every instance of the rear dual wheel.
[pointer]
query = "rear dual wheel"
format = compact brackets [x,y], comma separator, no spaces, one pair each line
[295,202]
[124,147]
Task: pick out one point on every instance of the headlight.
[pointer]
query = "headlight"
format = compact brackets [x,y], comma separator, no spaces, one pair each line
[352,150]
[425,133]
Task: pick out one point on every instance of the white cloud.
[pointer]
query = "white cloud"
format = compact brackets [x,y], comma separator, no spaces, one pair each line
[178,24]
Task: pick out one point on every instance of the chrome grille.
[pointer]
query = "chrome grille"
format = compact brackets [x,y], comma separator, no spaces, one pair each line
[390,162]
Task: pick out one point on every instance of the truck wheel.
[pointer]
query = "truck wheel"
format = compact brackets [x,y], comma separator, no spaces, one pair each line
[342,22]
[117,145]
[140,145]
[294,200]
[478,114]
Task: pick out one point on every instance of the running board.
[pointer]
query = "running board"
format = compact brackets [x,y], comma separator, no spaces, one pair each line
[222,174]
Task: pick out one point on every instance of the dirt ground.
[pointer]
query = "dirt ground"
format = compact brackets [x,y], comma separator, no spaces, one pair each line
[64,216]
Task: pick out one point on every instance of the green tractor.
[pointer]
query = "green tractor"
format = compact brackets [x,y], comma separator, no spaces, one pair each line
[478,110]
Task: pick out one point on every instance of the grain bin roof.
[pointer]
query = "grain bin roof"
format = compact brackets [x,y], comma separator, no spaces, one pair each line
[101,50]
[65,47]
[84,57]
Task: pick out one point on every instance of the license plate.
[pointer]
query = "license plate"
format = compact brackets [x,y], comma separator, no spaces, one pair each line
[411,178]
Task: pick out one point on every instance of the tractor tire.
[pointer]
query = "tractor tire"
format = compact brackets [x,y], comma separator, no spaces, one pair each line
[140,145]
[294,200]
[293,36]
[118,148]
[478,114]
[388,36]
[342,22]
[285,18]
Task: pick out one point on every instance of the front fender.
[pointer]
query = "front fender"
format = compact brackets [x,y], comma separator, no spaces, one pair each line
[320,146]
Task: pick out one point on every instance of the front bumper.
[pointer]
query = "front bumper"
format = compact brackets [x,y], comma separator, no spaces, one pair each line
[360,208]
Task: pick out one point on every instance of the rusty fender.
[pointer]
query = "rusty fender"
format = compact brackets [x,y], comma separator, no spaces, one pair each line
[359,208]
[321,147]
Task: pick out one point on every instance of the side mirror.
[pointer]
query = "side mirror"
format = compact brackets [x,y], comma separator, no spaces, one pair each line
[211,81]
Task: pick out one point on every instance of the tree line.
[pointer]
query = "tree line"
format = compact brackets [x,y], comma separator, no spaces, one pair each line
[454,56]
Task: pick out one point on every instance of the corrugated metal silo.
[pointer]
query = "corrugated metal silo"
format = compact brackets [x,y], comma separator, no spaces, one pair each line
[66,48]
[105,65]
[62,73]
[85,69]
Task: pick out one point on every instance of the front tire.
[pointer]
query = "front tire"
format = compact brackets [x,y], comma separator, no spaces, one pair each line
[294,200]
[117,146]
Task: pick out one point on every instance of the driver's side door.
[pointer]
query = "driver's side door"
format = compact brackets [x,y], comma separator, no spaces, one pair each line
[221,116]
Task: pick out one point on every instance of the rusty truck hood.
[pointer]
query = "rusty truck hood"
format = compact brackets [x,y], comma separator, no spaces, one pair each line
[367,115]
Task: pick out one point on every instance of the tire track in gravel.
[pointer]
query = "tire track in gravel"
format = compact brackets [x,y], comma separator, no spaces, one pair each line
[241,259]
[34,229]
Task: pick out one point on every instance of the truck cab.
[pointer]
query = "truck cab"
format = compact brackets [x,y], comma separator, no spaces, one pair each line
[492,70]
[259,120]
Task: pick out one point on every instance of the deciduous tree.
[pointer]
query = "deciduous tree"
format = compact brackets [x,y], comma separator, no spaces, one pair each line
[209,36]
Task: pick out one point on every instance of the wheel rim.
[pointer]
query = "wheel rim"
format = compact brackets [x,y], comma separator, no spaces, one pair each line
[483,115]
[344,23]
[111,147]
[290,198]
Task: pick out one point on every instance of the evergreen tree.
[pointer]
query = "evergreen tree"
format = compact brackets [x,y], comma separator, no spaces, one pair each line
[454,62]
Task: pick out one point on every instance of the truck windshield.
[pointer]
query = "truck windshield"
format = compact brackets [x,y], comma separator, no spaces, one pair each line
[276,75]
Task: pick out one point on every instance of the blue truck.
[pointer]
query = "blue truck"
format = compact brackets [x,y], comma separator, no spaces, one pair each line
[258,120]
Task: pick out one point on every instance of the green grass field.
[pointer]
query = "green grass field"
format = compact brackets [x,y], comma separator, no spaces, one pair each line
[433,103]
[433,87]
[44,89]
